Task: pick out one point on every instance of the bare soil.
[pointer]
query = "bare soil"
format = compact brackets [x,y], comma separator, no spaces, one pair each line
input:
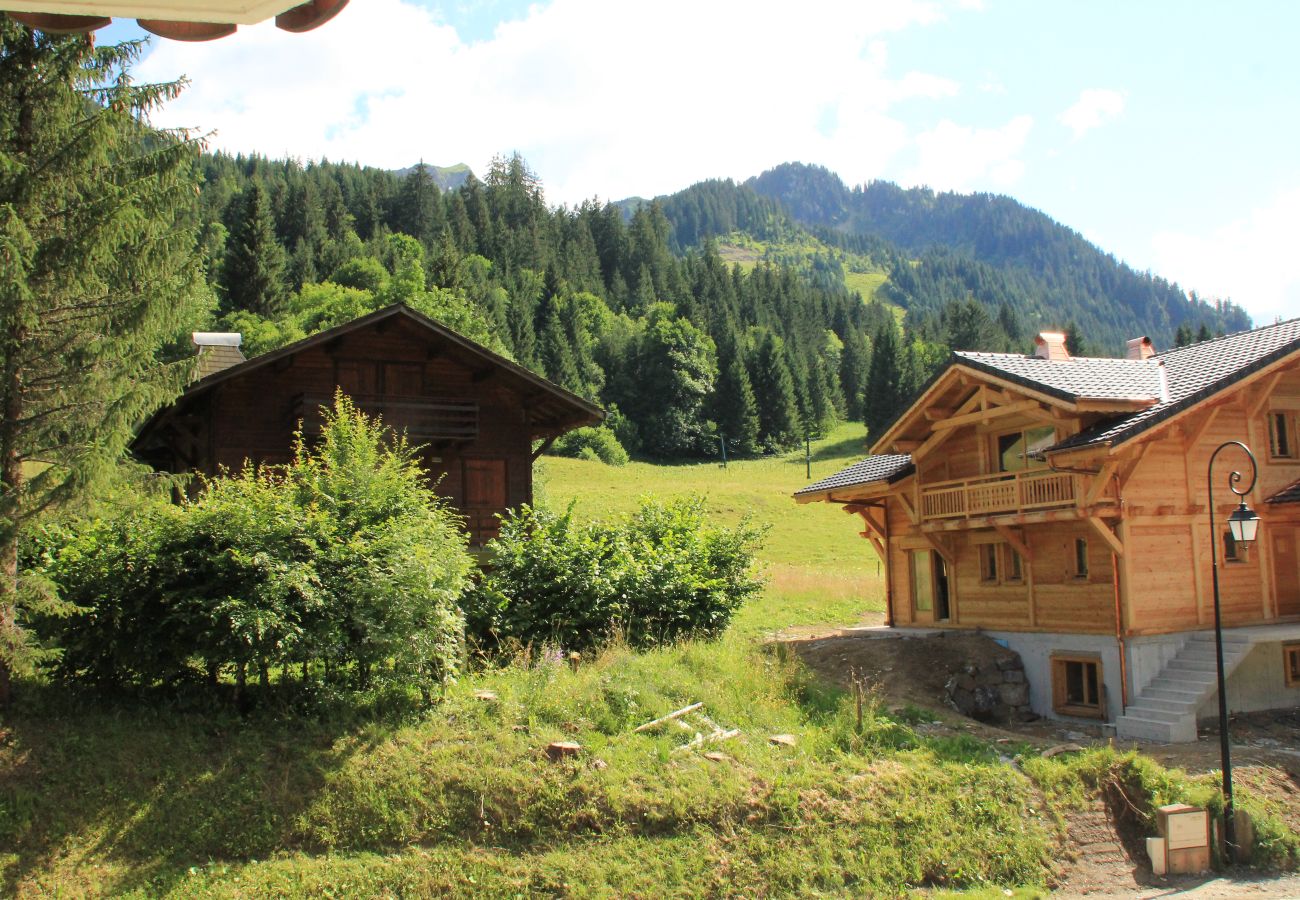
[1106,856]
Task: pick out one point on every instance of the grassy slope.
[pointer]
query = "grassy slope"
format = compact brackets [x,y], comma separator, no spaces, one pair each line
[821,571]
[462,801]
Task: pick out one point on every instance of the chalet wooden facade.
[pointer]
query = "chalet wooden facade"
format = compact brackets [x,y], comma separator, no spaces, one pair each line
[1060,504]
[474,414]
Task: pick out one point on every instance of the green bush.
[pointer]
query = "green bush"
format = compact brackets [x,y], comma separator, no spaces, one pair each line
[659,575]
[342,567]
[594,443]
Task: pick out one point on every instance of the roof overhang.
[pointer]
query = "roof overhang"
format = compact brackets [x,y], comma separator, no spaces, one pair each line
[565,409]
[183,20]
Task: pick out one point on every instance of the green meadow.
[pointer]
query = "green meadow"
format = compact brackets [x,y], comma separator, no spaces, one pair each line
[820,570]
[462,800]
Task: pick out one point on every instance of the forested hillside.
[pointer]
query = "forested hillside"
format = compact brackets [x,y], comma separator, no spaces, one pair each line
[987,246]
[682,349]
[639,306]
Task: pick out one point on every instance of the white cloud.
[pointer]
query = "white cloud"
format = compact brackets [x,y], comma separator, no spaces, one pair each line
[1251,260]
[599,97]
[1094,107]
[957,157]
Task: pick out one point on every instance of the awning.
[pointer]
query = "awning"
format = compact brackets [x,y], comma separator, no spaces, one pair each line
[179,20]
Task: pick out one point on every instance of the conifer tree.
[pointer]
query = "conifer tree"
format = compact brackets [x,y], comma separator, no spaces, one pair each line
[253,271]
[735,407]
[98,269]
[883,397]
[778,408]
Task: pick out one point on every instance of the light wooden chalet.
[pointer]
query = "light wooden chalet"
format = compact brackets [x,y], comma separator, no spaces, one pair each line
[1060,504]
[474,414]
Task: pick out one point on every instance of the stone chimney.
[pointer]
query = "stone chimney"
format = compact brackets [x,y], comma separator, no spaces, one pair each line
[216,351]
[1051,345]
[1140,348]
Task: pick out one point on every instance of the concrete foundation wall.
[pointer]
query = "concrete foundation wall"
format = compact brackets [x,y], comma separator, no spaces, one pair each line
[1259,683]
[1036,650]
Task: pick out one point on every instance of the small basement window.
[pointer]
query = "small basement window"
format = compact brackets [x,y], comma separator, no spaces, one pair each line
[989,563]
[1077,688]
[1281,435]
[1291,664]
[1081,558]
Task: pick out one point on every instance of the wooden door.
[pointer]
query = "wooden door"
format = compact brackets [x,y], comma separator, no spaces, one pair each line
[484,489]
[1286,572]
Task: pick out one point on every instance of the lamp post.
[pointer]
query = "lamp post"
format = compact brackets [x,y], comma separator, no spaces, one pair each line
[1243,523]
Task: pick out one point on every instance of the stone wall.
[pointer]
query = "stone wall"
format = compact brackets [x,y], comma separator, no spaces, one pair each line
[994,690]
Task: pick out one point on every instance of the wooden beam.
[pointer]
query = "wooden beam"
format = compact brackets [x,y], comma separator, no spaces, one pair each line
[1014,540]
[544,446]
[942,549]
[932,442]
[909,509]
[1098,485]
[1194,434]
[1265,392]
[935,413]
[1104,532]
[981,415]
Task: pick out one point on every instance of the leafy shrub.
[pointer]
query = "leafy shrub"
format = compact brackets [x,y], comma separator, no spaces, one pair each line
[659,575]
[343,565]
[595,443]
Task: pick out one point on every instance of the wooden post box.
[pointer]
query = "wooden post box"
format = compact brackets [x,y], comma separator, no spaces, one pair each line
[1185,831]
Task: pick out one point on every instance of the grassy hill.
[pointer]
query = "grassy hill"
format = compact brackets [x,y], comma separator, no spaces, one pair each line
[461,800]
[821,571]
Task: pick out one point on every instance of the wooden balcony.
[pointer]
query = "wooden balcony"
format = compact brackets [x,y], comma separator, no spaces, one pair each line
[424,419]
[990,495]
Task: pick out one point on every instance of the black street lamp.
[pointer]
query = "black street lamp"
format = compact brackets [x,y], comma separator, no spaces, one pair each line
[1243,524]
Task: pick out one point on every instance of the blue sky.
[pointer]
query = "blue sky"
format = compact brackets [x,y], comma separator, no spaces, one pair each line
[1165,132]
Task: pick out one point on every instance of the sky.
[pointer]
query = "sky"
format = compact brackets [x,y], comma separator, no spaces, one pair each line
[1164,132]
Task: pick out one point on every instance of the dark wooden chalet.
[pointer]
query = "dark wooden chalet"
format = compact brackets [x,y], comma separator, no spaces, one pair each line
[474,413]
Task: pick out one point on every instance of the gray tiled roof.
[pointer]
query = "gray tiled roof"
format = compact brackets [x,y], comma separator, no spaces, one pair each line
[1288,494]
[882,467]
[1196,372]
[1087,377]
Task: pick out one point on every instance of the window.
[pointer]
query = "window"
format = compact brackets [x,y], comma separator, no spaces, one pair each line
[1291,664]
[1234,552]
[989,563]
[1281,435]
[1081,558]
[1016,450]
[1015,567]
[1077,687]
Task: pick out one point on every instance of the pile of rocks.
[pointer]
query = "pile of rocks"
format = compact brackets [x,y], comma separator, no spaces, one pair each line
[992,691]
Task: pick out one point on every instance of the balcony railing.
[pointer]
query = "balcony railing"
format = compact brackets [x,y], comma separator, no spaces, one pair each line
[422,418]
[1006,492]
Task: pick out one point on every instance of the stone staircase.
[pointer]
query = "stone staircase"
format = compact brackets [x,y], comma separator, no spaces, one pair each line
[1166,708]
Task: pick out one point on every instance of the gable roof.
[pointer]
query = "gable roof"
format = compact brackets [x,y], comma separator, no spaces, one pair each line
[1195,373]
[1077,378]
[887,467]
[1167,384]
[562,409]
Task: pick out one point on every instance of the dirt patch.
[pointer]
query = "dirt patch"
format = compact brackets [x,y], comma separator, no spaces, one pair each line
[902,671]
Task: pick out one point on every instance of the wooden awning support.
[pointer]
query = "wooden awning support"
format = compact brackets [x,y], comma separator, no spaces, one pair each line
[1015,541]
[544,446]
